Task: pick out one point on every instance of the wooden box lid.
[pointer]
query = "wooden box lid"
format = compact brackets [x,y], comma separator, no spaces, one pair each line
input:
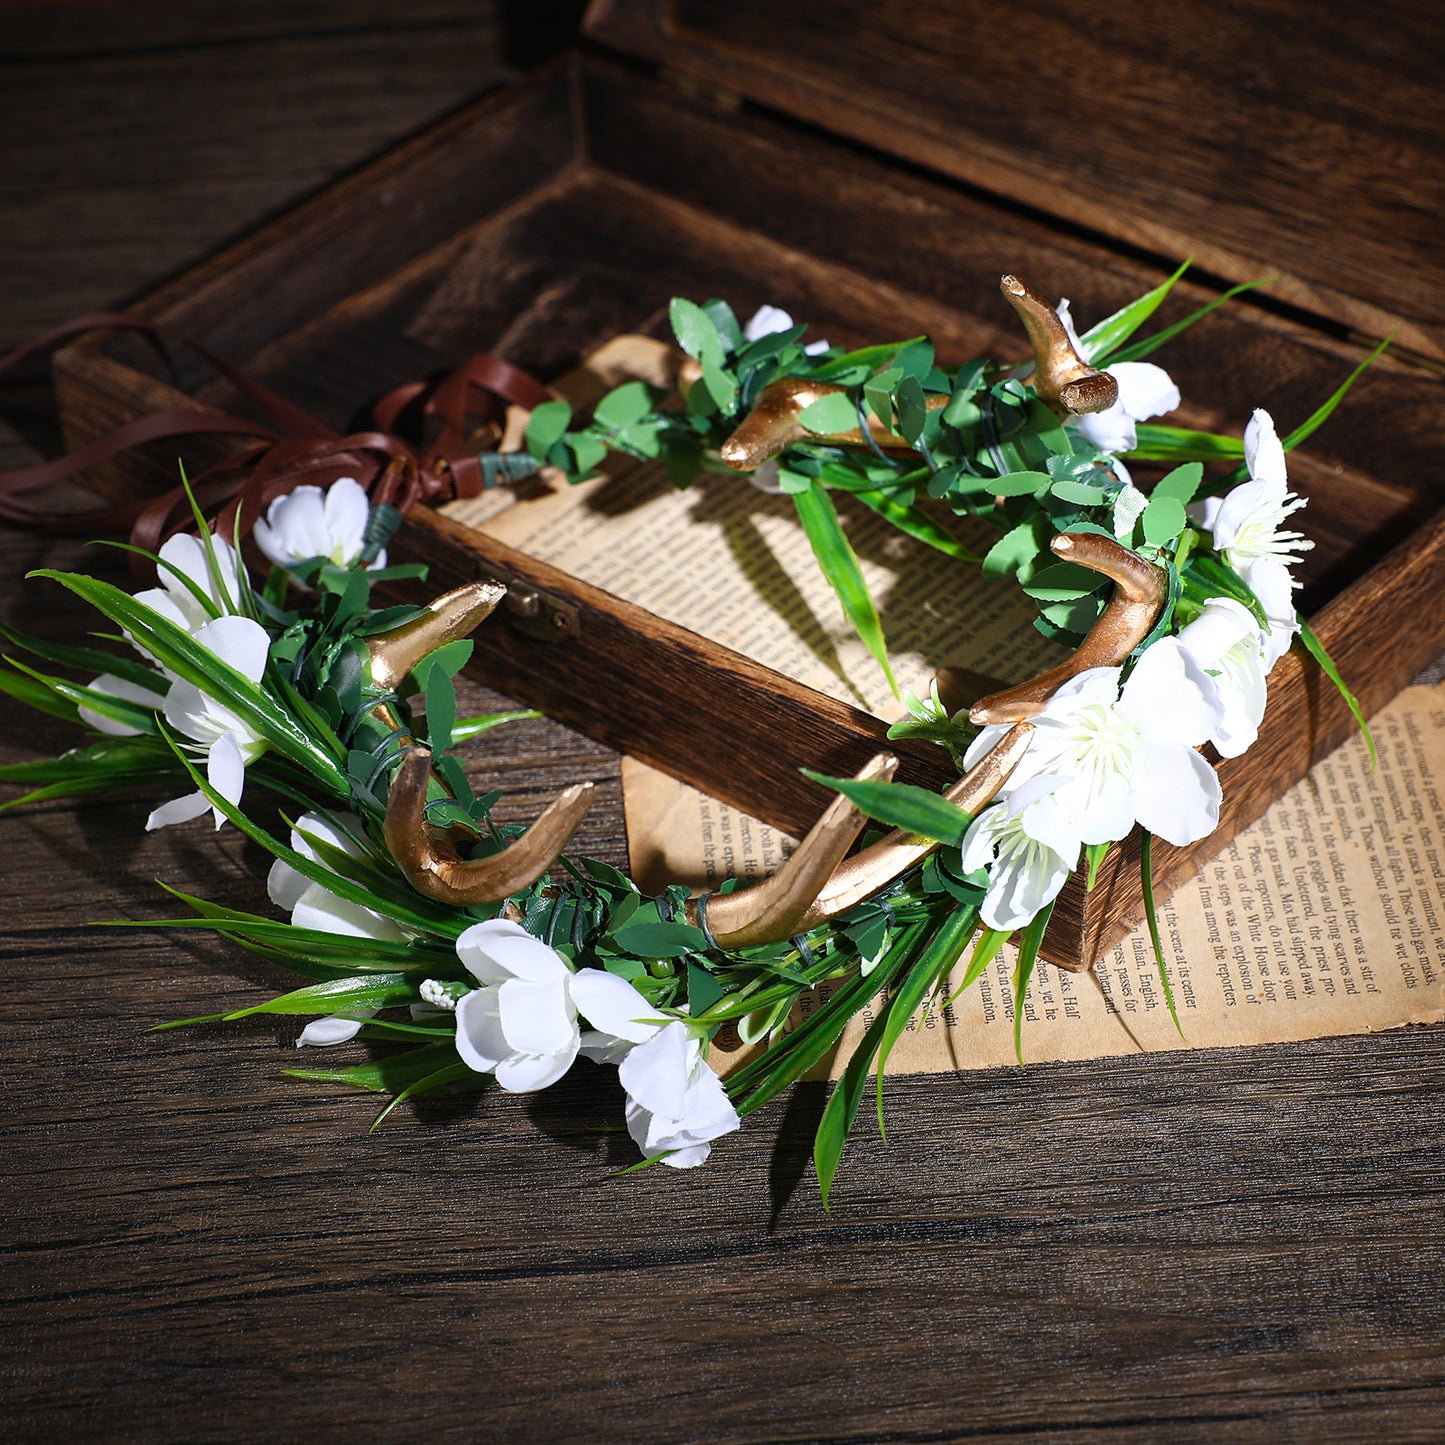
[1285,138]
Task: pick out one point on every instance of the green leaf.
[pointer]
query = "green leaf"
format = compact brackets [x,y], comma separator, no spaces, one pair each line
[1159,442]
[660,940]
[1316,650]
[1021,484]
[1095,853]
[449,658]
[182,654]
[942,952]
[467,728]
[912,409]
[917,524]
[1141,349]
[546,427]
[1017,549]
[1180,484]
[389,1075]
[840,566]
[588,453]
[1322,413]
[901,805]
[695,331]
[703,989]
[878,393]
[872,357]
[1163,520]
[1098,341]
[1079,493]
[842,1106]
[720,385]
[1029,943]
[1146,877]
[350,997]
[836,412]
[623,405]
[441,711]
[1062,582]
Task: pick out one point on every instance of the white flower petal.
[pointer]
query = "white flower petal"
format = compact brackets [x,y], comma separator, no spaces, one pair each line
[347,510]
[1171,695]
[178,810]
[324,1033]
[655,1072]
[480,1040]
[1264,452]
[1177,797]
[499,949]
[126,691]
[765,321]
[1145,390]
[612,1006]
[322,909]
[522,1073]
[226,771]
[284,885]
[239,642]
[537,1018]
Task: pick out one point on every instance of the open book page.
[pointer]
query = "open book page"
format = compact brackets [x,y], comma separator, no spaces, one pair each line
[1326,917]
[731,562]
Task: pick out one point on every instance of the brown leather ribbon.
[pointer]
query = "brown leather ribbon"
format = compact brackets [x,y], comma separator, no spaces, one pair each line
[290,447]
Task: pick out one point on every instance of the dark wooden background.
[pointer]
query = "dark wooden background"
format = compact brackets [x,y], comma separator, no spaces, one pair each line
[1235,1245]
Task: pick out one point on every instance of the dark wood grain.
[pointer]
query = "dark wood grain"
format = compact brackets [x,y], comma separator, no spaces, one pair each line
[640,193]
[1241,1245]
[1270,137]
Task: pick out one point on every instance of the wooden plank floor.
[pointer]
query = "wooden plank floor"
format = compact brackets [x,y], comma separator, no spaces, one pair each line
[1241,1245]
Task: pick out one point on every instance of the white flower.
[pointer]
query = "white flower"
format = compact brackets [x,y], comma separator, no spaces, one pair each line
[521,1025]
[1228,644]
[228,743]
[312,905]
[127,691]
[1126,758]
[1245,527]
[676,1105]
[308,523]
[1029,848]
[220,585]
[769,319]
[1246,522]
[1145,391]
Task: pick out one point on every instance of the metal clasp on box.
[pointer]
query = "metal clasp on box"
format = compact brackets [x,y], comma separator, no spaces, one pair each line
[540,615]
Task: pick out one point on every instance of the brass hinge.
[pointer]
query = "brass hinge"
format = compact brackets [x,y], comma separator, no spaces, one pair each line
[539,615]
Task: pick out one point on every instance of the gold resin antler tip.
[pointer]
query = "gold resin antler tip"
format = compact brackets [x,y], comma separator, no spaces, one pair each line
[453,615]
[1065,382]
[1139,592]
[774,909]
[876,866]
[432,864]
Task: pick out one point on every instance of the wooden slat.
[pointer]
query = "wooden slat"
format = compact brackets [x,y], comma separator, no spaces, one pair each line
[1270,138]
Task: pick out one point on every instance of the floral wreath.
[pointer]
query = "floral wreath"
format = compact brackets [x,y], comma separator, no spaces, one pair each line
[487,953]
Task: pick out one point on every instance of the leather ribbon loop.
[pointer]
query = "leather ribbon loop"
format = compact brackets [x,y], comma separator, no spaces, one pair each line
[289,448]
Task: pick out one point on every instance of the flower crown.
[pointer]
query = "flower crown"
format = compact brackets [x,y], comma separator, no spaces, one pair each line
[487,954]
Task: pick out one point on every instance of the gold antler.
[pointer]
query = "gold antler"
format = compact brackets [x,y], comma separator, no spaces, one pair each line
[774,424]
[1065,382]
[772,910]
[431,863]
[434,867]
[1139,592]
[812,886]
[453,615]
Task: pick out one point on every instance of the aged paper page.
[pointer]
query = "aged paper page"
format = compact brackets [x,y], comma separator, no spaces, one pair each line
[1326,917]
[731,562]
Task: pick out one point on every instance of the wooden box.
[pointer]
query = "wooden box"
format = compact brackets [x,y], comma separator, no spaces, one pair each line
[875,169]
